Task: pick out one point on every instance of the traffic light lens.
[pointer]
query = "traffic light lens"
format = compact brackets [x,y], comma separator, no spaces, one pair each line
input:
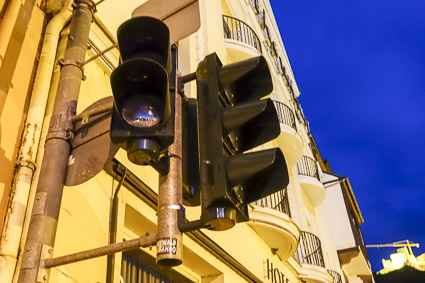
[143,111]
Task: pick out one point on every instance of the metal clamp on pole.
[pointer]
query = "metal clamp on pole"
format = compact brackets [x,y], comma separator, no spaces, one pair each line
[61,126]
[44,273]
[181,81]
[63,63]
[188,226]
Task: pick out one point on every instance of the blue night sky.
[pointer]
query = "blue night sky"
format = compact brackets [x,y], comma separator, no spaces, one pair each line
[360,66]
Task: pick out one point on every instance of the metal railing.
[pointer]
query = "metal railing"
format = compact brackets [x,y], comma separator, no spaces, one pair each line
[285,114]
[308,167]
[237,30]
[310,250]
[336,276]
[278,201]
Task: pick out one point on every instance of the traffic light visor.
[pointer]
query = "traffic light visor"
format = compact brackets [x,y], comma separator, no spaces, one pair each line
[140,88]
[257,174]
[240,120]
[246,80]
[145,37]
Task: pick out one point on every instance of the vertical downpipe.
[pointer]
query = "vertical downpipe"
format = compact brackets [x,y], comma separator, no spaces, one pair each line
[113,226]
[45,213]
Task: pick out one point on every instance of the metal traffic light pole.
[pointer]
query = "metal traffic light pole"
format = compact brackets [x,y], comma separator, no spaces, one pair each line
[169,250]
[45,213]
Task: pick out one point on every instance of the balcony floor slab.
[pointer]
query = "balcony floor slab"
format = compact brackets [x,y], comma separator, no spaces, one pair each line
[313,189]
[277,230]
[290,144]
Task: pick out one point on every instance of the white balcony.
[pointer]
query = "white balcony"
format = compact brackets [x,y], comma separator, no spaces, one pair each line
[288,140]
[308,176]
[309,255]
[270,219]
[240,39]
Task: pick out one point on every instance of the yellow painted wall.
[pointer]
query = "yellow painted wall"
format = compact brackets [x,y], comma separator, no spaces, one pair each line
[212,25]
[83,224]
[16,75]
[247,247]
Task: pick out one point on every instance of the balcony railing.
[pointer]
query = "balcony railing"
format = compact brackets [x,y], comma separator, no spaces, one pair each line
[310,250]
[308,167]
[336,276]
[278,201]
[285,114]
[237,30]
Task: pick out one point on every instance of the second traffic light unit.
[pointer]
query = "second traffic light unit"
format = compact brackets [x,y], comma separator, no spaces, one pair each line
[233,119]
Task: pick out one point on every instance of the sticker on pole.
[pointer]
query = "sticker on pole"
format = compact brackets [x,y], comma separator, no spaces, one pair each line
[166,246]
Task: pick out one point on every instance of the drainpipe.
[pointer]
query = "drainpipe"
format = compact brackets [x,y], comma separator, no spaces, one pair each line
[15,215]
[45,213]
[113,225]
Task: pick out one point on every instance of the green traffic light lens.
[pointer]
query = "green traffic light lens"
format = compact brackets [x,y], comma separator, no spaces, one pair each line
[143,111]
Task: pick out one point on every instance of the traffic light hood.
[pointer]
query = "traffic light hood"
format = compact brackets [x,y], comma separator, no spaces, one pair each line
[246,80]
[140,88]
[240,120]
[259,174]
[145,37]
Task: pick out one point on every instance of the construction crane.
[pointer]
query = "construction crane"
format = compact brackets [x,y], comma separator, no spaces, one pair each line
[399,244]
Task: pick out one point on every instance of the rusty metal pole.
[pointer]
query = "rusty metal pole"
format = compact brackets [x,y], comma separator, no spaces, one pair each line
[144,241]
[169,250]
[45,213]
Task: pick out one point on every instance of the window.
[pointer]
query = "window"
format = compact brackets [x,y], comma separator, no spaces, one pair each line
[273,49]
[138,266]
[256,6]
[262,19]
[279,65]
[267,32]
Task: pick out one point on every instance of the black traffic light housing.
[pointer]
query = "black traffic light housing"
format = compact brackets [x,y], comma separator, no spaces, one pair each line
[190,155]
[143,117]
[232,119]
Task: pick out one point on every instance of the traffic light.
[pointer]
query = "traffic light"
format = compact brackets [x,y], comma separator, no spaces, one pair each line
[143,117]
[232,119]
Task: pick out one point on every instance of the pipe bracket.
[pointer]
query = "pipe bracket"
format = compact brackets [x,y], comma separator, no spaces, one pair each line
[63,63]
[26,163]
[88,4]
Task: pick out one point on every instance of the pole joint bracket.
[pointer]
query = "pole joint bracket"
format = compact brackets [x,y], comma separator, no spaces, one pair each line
[63,63]
[61,126]
[44,273]
[185,226]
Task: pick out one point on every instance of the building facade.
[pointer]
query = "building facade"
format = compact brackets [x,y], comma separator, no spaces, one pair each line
[292,236]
